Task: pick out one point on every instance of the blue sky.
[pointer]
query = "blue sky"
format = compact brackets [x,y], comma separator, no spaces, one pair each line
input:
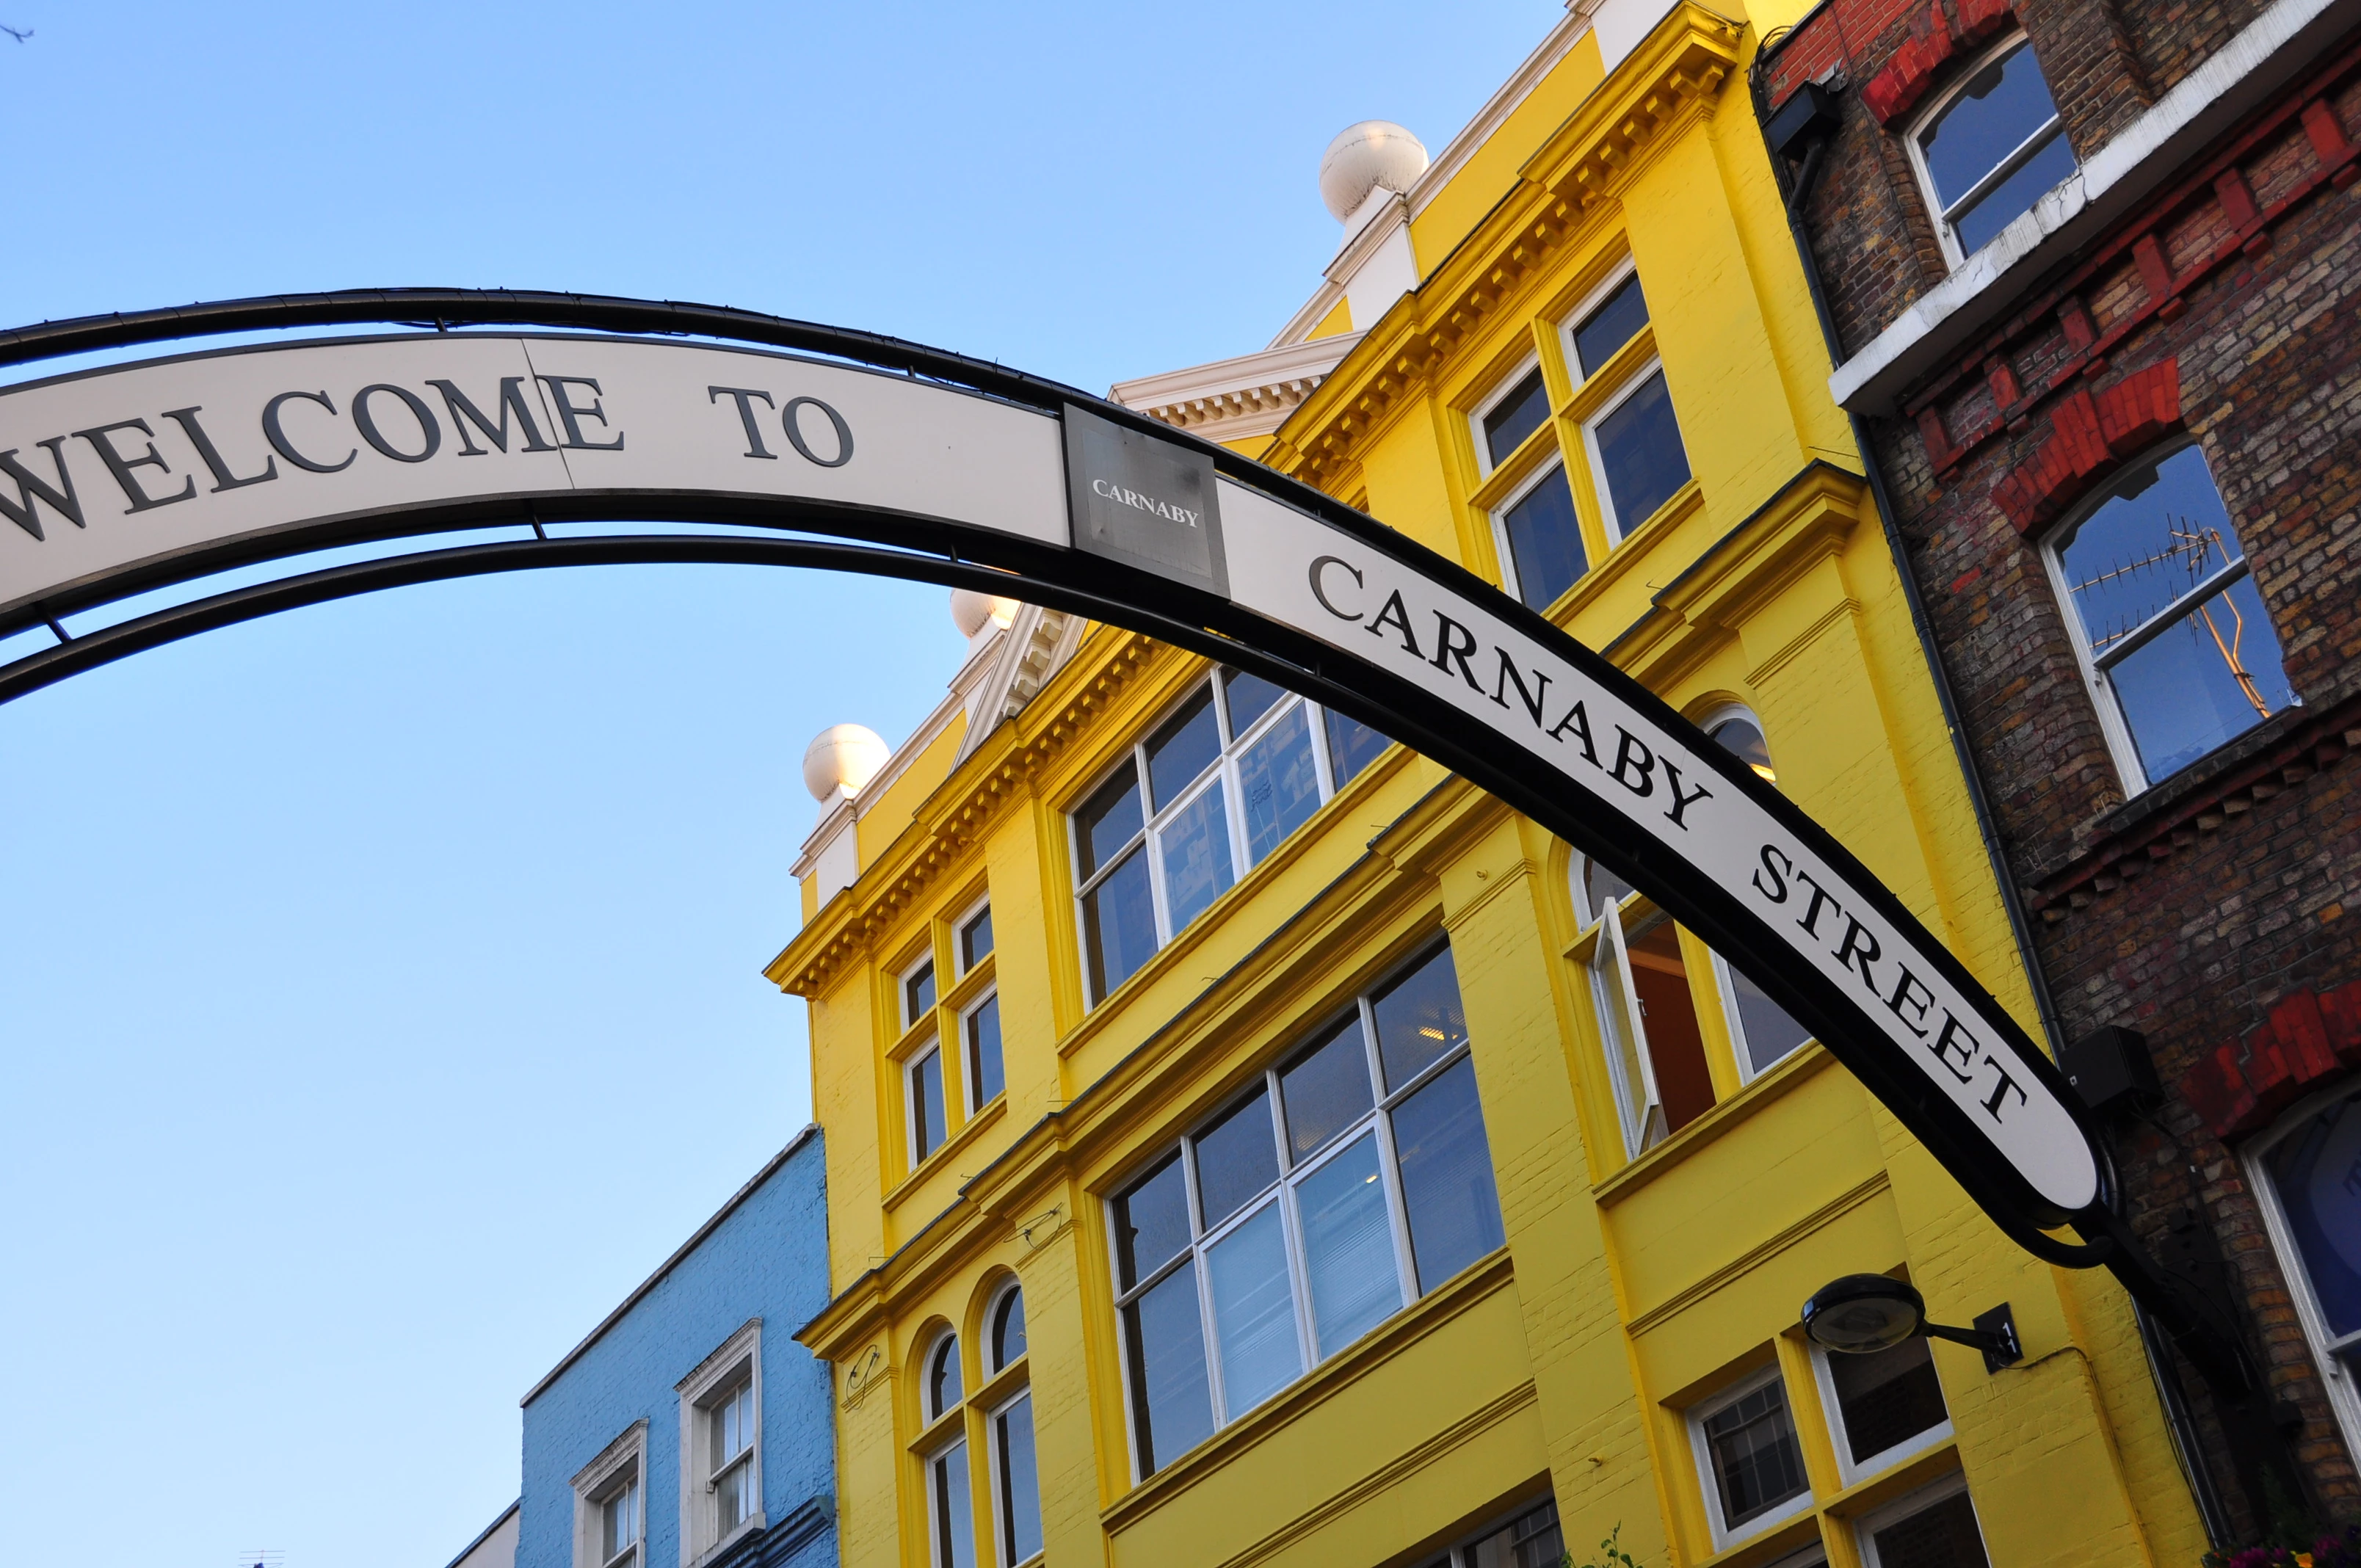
[379,991]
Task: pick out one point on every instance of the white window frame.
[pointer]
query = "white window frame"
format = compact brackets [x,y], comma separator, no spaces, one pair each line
[934,1483]
[910,1066]
[2096,667]
[1624,393]
[1589,302]
[966,918]
[622,1462]
[1458,1555]
[1848,1469]
[2327,1350]
[1639,1106]
[1507,503]
[2023,153]
[1866,1527]
[1701,1452]
[928,1414]
[1486,465]
[738,1357]
[1148,840]
[902,979]
[1203,1239]
[992,1480]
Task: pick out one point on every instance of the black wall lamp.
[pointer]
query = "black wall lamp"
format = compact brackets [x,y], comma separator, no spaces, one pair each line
[1863,1314]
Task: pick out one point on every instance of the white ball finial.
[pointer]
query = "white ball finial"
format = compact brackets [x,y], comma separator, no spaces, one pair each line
[841,759]
[1364,157]
[973,612]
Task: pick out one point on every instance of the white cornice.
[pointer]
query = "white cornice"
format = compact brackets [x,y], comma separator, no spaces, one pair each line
[1230,400]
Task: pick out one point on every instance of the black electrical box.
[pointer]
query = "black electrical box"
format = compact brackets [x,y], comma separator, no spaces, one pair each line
[2111,1070]
[1810,113]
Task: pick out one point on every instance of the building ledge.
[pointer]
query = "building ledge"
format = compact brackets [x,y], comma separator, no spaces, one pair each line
[1235,400]
[2287,39]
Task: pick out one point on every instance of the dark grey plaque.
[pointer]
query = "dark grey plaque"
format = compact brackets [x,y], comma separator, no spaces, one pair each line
[1144,502]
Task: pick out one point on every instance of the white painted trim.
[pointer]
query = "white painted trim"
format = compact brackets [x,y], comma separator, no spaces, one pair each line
[591,1484]
[1586,307]
[1913,148]
[1903,1507]
[1702,1453]
[2272,48]
[1232,399]
[701,1539]
[1310,315]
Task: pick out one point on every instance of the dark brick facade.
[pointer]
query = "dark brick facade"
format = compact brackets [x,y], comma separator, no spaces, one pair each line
[2219,912]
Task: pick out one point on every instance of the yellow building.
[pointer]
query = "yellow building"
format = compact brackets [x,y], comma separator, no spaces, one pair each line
[1249,1144]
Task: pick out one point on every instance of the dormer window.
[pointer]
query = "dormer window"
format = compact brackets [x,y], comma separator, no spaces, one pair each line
[1989,148]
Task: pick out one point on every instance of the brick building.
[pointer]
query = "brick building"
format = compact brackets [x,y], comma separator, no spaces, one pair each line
[2086,267]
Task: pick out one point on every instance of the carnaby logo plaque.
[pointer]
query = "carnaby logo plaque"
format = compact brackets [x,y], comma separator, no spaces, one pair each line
[1144,502]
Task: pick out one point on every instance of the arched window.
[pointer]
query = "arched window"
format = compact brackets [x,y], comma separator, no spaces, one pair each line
[1005,1327]
[2304,1169]
[2173,636]
[942,1376]
[1989,148]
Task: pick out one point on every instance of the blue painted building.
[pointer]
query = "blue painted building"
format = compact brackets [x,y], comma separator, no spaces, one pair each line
[690,1430]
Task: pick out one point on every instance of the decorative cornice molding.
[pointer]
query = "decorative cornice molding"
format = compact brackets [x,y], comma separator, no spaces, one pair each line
[1675,74]
[1232,399]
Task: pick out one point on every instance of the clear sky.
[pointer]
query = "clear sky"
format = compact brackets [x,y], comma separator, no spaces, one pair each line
[379,984]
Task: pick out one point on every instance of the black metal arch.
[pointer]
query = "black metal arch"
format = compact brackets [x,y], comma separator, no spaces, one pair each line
[920,548]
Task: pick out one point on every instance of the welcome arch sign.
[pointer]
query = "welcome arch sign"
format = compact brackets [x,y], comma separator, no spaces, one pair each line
[919,464]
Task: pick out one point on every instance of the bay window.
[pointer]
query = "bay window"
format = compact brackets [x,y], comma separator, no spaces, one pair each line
[2172,635]
[1216,786]
[1348,1179]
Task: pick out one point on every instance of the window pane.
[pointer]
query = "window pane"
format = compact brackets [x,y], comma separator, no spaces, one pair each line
[1279,784]
[1640,453]
[954,1535]
[2005,202]
[733,1497]
[2203,682]
[1182,746]
[985,1078]
[1020,1482]
[1446,1176]
[1601,890]
[1886,1397]
[2006,102]
[1766,1034]
[1325,1090]
[1151,1222]
[1253,1312]
[1756,1464]
[942,1376]
[1249,697]
[1610,327]
[1660,978]
[618,1519]
[1351,746]
[1517,415]
[1235,1159]
[917,994]
[976,939]
[927,1103]
[2317,1172]
[2160,532]
[1119,925]
[1742,738]
[1008,1329]
[1170,1401]
[1942,1535]
[1544,542]
[1348,1247]
[1532,1540]
[1108,819]
[1420,1019]
[1196,850]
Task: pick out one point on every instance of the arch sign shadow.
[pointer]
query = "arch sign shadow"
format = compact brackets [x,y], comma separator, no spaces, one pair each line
[132,476]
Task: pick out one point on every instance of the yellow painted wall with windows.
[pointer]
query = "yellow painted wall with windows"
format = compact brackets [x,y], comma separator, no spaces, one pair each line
[1565,1365]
